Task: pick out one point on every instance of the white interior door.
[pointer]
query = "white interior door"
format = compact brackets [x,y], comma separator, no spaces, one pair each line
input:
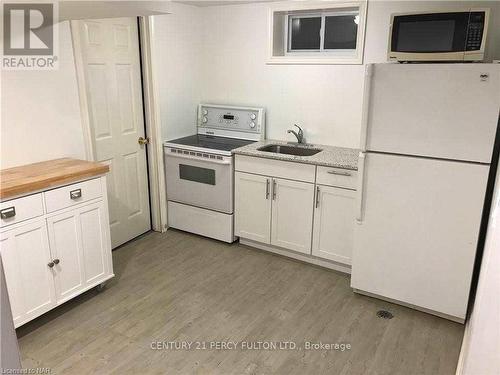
[111,64]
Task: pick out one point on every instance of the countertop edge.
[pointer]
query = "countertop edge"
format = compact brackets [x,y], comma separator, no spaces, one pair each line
[331,156]
[32,186]
[309,162]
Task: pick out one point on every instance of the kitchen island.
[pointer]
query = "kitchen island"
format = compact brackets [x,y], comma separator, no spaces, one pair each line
[54,233]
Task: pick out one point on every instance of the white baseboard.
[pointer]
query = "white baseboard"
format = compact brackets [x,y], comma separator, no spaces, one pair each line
[464,349]
[299,256]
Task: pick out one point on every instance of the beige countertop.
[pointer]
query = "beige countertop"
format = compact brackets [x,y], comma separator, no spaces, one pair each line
[330,156]
[46,174]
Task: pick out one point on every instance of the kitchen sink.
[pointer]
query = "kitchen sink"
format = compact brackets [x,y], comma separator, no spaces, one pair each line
[290,150]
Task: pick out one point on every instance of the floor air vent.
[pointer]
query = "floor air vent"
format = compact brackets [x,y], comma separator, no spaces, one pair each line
[384,314]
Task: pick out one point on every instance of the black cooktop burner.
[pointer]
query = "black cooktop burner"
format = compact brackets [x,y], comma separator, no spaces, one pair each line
[211,142]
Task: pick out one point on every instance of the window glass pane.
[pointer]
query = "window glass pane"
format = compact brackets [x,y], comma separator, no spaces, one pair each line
[197,174]
[341,32]
[305,33]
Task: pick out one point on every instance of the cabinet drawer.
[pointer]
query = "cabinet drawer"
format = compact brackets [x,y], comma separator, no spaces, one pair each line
[345,178]
[71,195]
[20,209]
[275,168]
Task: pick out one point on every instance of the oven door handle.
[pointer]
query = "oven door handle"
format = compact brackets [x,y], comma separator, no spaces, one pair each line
[224,161]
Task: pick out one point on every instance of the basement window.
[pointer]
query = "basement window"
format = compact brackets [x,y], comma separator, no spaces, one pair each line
[323,32]
[332,35]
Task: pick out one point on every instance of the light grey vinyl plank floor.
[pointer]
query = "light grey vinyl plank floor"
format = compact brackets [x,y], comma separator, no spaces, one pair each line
[178,287]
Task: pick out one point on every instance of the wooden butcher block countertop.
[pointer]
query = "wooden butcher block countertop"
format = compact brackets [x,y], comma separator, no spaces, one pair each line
[45,175]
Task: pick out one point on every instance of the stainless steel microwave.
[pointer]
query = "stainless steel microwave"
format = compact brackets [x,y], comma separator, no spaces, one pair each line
[444,36]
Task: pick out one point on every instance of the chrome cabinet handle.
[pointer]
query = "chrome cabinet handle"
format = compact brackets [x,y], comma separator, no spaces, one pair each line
[75,194]
[8,212]
[56,261]
[339,173]
[274,189]
[267,188]
[317,196]
[50,264]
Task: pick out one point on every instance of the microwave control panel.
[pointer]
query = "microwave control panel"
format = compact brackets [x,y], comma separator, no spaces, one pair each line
[475,31]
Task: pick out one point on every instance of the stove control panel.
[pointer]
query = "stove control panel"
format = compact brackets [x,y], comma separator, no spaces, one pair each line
[231,121]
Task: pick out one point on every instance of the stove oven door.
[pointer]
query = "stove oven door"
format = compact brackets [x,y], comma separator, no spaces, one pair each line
[200,179]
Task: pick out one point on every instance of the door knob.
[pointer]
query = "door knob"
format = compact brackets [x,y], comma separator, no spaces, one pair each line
[143,141]
[56,261]
[50,264]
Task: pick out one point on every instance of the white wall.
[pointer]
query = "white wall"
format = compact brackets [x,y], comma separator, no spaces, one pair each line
[325,99]
[481,346]
[178,62]
[40,117]
[212,54]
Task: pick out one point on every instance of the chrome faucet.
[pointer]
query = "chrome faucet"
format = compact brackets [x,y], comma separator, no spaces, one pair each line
[299,135]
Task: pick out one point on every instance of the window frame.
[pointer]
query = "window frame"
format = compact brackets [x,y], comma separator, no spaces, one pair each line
[319,14]
[280,15]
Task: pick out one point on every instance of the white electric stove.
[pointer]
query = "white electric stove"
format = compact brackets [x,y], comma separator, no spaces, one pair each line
[199,169]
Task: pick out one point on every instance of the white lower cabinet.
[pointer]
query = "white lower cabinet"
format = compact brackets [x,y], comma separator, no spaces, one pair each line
[334,217]
[30,281]
[51,259]
[274,211]
[66,252]
[95,243]
[292,215]
[77,245]
[310,210]
[252,206]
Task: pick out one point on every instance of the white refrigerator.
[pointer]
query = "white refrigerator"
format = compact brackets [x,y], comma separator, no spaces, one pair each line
[427,142]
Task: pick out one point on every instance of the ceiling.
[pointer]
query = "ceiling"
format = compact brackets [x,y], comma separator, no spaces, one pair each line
[84,9]
[208,3]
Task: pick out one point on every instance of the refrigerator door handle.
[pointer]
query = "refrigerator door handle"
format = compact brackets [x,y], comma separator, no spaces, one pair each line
[365,111]
[360,187]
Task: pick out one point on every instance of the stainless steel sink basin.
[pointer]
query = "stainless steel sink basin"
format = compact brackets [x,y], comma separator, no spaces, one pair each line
[290,150]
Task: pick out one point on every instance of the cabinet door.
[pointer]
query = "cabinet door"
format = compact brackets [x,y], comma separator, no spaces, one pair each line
[292,215]
[96,245]
[30,281]
[253,207]
[334,218]
[64,234]
[78,239]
